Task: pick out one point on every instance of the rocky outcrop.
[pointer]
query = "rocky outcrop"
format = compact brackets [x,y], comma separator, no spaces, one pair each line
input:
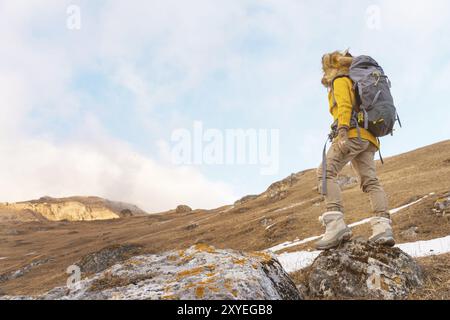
[363,270]
[183,209]
[200,272]
[280,189]
[70,209]
[245,199]
[106,257]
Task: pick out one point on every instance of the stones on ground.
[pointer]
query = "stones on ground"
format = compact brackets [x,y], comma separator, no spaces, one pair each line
[279,190]
[363,270]
[241,210]
[126,213]
[265,222]
[442,205]
[12,232]
[200,272]
[192,226]
[318,201]
[411,233]
[183,209]
[7,276]
[106,257]
[245,199]
[346,182]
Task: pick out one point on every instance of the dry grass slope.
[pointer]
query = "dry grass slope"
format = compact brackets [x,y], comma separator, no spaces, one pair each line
[286,211]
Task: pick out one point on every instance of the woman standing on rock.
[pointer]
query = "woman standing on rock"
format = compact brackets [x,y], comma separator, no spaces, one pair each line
[350,144]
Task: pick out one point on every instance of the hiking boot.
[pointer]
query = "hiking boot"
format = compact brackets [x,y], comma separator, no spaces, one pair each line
[382,231]
[336,230]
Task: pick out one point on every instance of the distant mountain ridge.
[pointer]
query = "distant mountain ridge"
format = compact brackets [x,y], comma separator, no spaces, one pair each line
[75,208]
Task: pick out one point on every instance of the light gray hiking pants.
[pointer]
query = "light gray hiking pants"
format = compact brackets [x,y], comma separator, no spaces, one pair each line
[361,154]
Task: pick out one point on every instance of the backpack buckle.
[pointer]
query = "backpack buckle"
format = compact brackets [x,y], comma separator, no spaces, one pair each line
[360,117]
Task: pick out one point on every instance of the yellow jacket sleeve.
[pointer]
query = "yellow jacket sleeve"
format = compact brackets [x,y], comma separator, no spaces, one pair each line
[343,97]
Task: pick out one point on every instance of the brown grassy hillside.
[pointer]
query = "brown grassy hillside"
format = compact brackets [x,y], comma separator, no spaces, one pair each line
[286,211]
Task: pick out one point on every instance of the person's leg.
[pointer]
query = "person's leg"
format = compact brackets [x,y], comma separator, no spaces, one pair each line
[364,165]
[336,229]
[336,161]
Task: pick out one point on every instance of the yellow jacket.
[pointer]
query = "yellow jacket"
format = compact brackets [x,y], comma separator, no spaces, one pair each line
[342,111]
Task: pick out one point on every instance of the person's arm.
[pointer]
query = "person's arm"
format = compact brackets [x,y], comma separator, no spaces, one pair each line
[343,98]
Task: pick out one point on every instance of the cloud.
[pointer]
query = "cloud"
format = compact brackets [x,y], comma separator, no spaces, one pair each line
[159,65]
[35,90]
[96,164]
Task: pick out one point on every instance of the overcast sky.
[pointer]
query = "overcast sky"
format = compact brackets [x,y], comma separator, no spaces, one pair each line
[91,111]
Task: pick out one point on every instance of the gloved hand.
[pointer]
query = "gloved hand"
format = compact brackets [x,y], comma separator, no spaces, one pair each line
[342,140]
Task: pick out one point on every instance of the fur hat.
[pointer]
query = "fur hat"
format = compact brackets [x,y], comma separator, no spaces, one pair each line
[335,64]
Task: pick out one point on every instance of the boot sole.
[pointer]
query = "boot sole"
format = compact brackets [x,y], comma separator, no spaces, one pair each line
[343,238]
[384,240]
[388,242]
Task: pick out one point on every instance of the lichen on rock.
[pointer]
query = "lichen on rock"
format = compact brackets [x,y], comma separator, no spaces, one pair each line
[199,272]
[363,270]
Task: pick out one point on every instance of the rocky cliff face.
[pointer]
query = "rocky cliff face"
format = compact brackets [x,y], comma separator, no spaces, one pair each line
[70,209]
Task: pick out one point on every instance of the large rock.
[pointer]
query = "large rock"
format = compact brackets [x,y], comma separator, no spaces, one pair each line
[442,205]
[200,272]
[183,209]
[363,270]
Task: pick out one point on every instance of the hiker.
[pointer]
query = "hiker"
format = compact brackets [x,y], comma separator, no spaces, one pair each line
[350,143]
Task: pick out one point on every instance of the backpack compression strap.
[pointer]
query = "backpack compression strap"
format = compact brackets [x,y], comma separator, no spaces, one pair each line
[324,166]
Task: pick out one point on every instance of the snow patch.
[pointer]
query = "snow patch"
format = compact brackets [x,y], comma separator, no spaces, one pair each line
[427,248]
[270,226]
[291,206]
[228,209]
[294,243]
[294,261]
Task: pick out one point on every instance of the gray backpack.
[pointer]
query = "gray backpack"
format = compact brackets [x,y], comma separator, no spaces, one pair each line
[373,90]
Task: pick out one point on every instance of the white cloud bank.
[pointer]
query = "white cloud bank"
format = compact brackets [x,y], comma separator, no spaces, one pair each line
[35,167]
[35,73]
[92,163]
[160,50]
